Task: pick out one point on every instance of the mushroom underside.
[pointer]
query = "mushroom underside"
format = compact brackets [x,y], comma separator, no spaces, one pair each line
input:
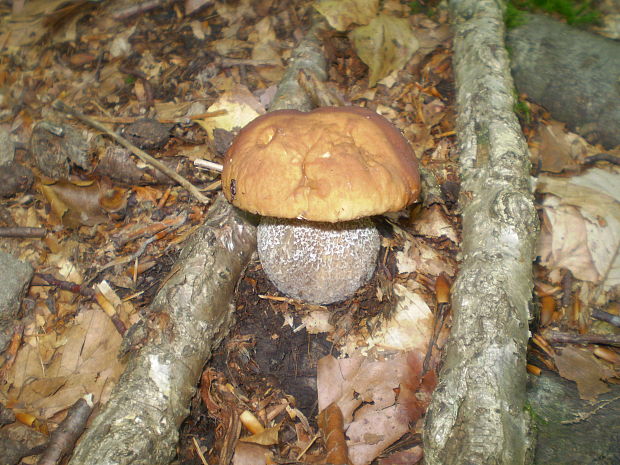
[320,263]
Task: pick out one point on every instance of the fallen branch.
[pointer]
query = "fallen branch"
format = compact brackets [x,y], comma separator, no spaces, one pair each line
[141,154]
[477,414]
[22,231]
[189,316]
[69,430]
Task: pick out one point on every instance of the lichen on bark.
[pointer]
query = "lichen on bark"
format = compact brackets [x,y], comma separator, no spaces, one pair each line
[477,413]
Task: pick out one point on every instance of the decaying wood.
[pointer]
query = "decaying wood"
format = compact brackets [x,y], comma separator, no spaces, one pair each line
[69,430]
[192,311]
[308,56]
[139,424]
[477,413]
[572,73]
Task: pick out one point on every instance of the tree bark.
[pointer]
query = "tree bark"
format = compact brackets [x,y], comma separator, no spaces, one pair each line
[477,413]
[308,55]
[189,316]
[572,73]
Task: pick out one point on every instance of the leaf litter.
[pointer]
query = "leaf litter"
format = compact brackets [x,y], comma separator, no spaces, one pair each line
[364,355]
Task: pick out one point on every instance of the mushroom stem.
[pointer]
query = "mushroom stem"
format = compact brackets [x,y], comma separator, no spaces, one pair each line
[317,262]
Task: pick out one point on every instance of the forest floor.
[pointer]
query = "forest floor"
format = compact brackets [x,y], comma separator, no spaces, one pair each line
[178,79]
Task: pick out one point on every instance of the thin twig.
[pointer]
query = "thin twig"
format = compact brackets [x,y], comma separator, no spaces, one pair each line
[68,432]
[558,337]
[200,454]
[608,157]
[141,154]
[22,231]
[607,317]
[208,165]
[119,261]
[586,415]
[133,10]
[50,280]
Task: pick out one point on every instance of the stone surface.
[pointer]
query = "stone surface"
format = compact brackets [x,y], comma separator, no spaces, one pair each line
[7,147]
[16,276]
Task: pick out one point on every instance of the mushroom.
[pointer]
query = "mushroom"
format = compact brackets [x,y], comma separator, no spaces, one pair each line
[316,178]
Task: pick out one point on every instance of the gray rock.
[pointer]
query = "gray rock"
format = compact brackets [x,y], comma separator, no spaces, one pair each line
[7,148]
[16,276]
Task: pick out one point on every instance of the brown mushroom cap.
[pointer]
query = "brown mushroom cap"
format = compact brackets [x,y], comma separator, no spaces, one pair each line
[331,164]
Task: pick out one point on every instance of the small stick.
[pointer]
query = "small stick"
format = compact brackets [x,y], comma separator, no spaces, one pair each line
[208,165]
[608,157]
[22,231]
[200,454]
[141,154]
[557,337]
[133,10]
[608,317]
[68,432]
[184,120]
[50,280]
[580,417]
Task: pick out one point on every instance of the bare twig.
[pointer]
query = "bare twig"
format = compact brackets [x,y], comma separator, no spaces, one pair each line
[586,415]
[168,224]
[604,316]
[180,221]
[200,454]
[558,337]
[141,154]
[208,165]
[183,120]
[138,9]
[70,429]
[50,280]
[608,157]
[22,231]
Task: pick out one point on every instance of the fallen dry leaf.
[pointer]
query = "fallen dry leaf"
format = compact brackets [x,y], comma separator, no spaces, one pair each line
[581,225]
[331,423]
[581,366]
[194,5]
[86,205]
[423,258]
[241,107]
[340,14]
[365,390]
[83,361]
[267,437]
[32,22]
[404,457]
[385,45]
[235,12]
[563,240]
[558,150]
[433,222]
[267,50]
[409,327]
[250,454]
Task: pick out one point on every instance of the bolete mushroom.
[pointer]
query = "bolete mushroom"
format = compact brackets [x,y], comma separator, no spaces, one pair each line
[316,178]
